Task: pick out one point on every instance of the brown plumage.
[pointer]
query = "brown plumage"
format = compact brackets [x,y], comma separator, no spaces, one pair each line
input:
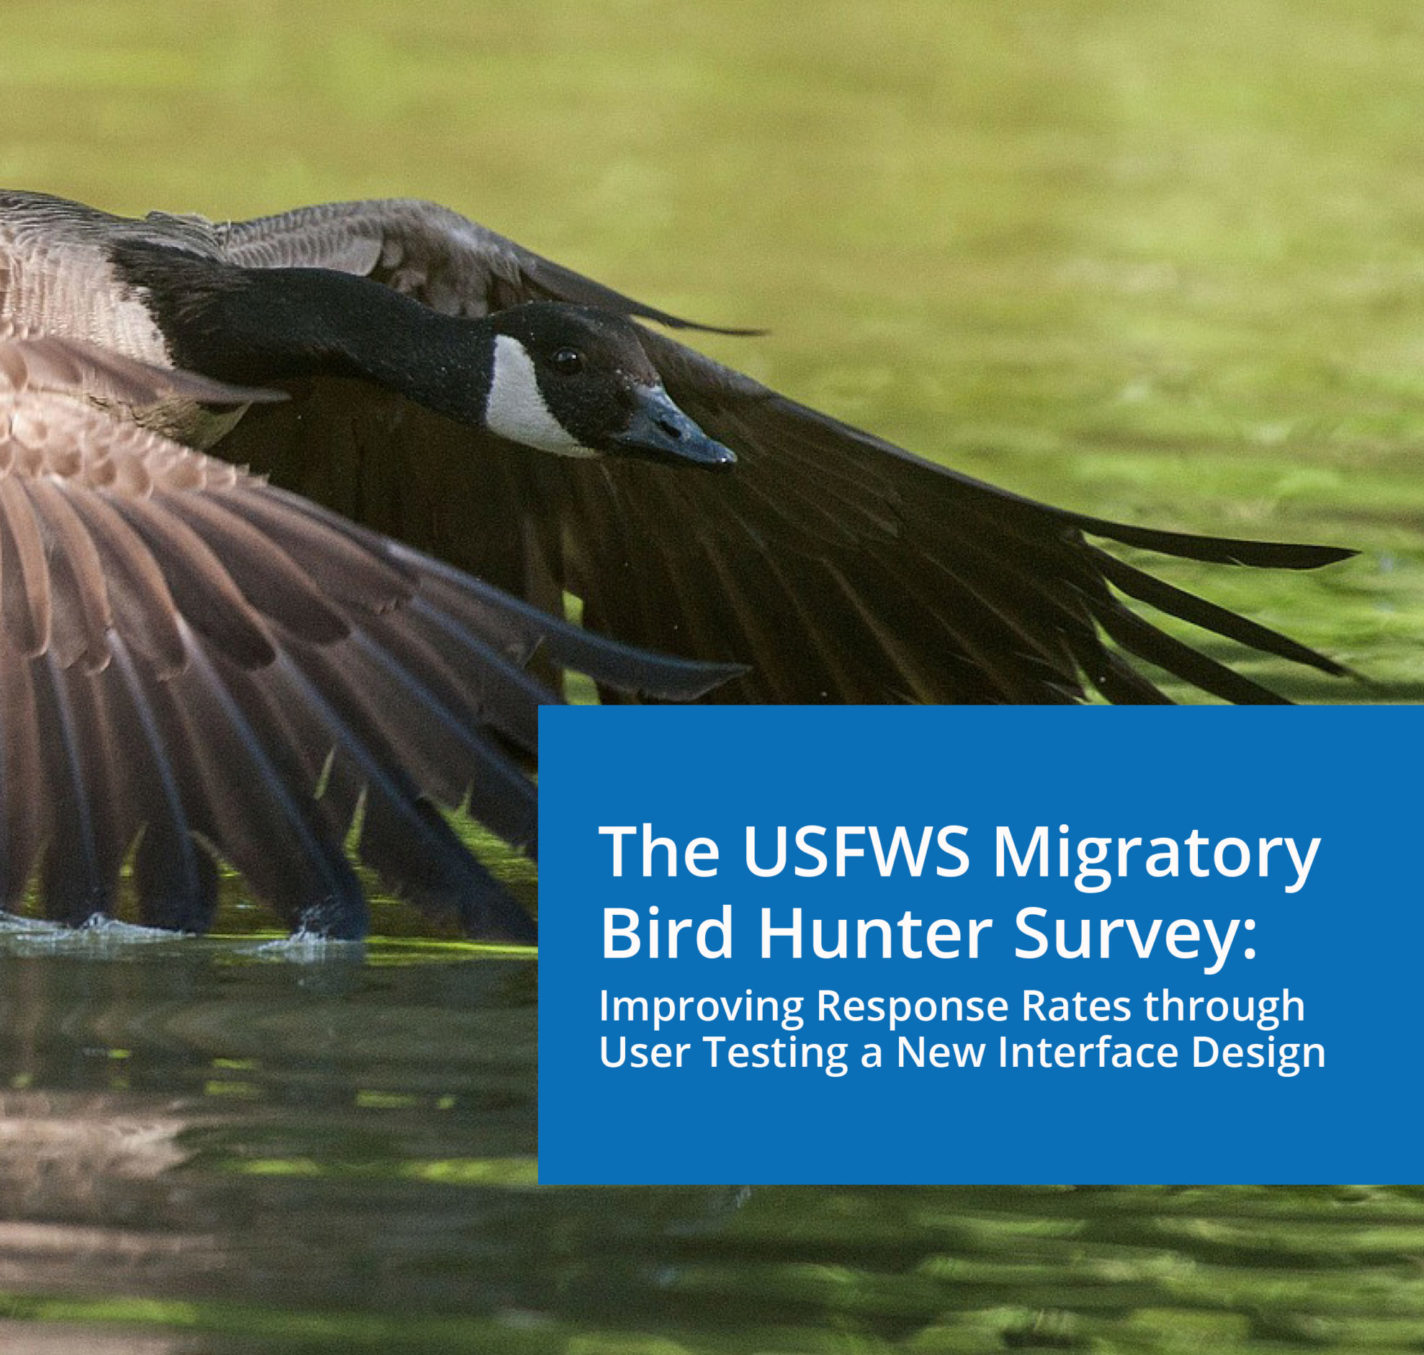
[188,653]
[836,566]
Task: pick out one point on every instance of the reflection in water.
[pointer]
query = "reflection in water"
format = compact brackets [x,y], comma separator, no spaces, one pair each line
[212,1146]
[28,1338]
[76,1173]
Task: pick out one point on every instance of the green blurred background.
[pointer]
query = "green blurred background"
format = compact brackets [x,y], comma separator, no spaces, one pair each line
[1161,262]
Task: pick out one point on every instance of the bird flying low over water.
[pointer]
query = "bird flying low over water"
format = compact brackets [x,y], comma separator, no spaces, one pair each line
[190,649]
[195,664]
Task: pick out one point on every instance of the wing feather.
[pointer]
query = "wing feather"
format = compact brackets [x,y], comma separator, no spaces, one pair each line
[426,251]
[198,668]
[837,566]
[25,571]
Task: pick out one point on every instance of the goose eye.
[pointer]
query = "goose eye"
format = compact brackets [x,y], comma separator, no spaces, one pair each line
[567,361]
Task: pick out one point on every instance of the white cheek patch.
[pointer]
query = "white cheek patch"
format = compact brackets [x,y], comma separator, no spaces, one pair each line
[516,408]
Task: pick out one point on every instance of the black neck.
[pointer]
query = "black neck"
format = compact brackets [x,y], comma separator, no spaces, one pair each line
[256,325]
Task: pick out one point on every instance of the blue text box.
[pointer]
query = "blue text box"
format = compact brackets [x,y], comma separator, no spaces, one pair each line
[1297,1062]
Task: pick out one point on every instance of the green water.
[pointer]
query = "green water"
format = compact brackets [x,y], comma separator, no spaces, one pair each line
[1158,262]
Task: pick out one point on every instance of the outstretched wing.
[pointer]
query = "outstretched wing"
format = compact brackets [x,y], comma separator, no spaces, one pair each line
[422,249]
[196,666]
[839,567]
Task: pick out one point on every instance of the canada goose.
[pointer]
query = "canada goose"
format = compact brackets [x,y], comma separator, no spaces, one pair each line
[835,566]
[188,652]
[433,366]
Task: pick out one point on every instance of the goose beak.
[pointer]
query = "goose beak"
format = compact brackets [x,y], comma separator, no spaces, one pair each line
[660,431]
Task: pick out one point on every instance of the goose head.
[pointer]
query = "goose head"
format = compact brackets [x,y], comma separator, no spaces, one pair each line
[571,380]
[576,382]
